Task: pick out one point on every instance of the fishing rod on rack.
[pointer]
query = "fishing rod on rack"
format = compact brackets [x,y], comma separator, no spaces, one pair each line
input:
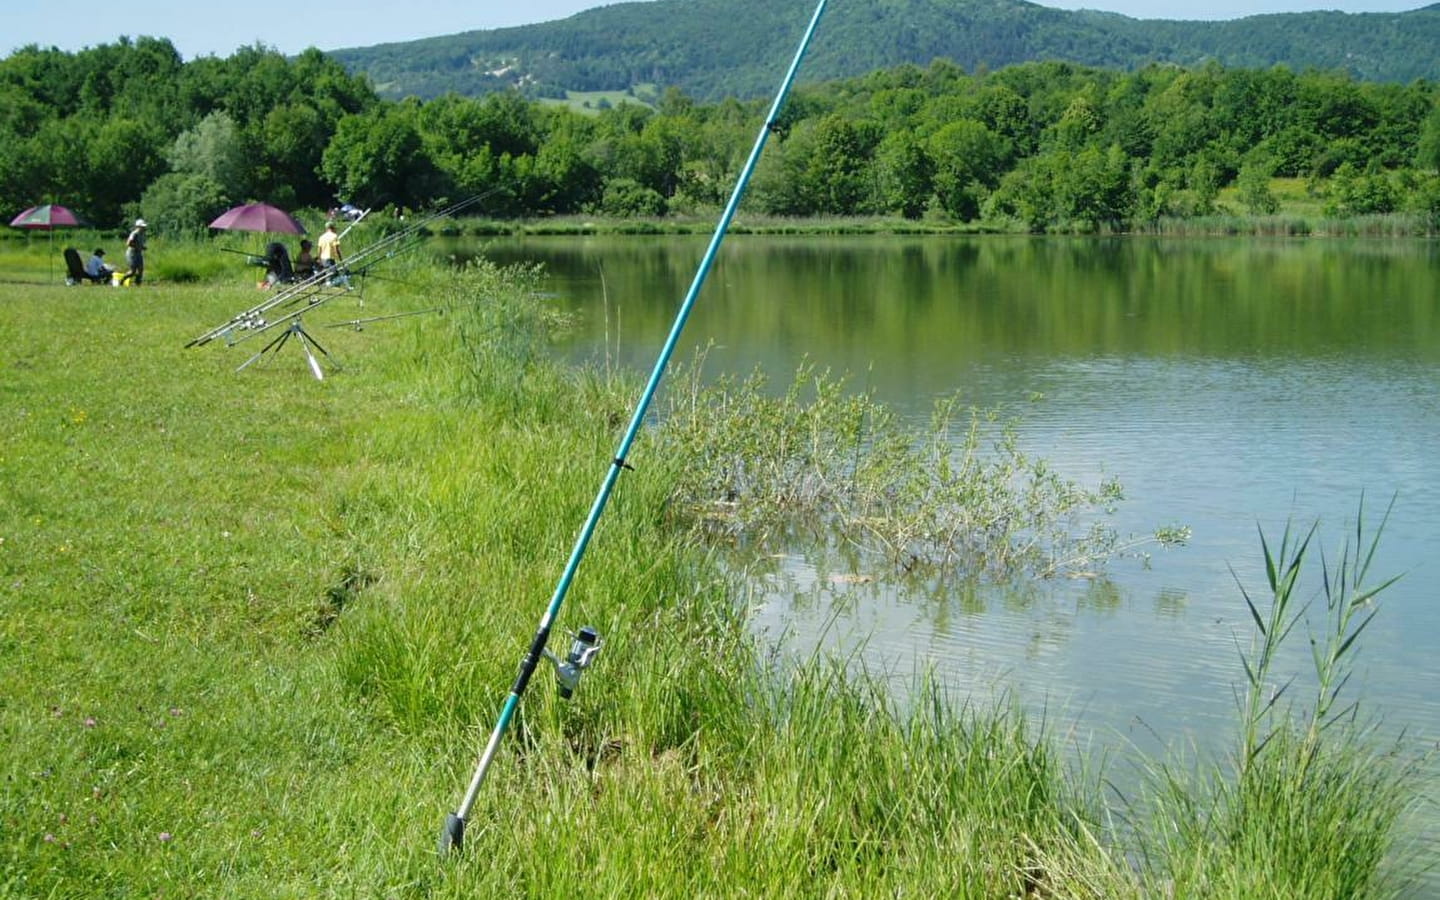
[586,642]
[255,316]
[359,324]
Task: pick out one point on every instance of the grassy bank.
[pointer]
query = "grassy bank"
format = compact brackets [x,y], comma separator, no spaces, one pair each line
[255,624]
[193,259]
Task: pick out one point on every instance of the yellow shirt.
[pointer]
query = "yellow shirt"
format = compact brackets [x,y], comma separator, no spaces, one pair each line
[329,246]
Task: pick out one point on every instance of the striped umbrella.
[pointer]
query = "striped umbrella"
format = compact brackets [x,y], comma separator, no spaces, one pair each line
[47,218]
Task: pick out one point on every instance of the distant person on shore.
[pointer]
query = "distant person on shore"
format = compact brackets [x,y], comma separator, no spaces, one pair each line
[135,253]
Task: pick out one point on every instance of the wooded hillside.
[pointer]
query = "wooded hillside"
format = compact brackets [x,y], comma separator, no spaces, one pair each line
[716,48]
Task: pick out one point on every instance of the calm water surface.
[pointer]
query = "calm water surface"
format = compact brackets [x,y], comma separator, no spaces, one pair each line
[1229,384]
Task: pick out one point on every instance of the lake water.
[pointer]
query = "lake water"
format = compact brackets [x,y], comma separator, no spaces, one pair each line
[1230,384]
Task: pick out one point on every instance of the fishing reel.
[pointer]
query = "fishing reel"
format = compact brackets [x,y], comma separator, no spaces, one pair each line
[583,650]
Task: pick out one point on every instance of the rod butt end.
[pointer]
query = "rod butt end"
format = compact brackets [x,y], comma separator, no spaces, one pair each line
[452,836]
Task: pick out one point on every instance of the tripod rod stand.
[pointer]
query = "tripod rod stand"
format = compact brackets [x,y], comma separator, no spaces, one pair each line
[296,330]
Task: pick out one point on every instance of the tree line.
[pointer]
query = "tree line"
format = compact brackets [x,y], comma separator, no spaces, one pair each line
[130,129]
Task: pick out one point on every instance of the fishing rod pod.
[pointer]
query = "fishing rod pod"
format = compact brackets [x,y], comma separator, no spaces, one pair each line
[311,291]
[587,641]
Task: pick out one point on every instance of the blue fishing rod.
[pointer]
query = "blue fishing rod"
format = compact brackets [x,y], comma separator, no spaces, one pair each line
[587,641]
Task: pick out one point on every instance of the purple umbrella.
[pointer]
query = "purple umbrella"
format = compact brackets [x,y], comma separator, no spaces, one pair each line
[258,217]
[47,217]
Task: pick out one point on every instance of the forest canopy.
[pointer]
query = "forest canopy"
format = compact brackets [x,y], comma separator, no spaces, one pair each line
[130,129]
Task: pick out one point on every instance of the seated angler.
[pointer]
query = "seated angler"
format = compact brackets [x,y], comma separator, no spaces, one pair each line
[97,268]
[305,260]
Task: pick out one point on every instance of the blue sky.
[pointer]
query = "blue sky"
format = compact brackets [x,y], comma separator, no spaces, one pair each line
[198,29]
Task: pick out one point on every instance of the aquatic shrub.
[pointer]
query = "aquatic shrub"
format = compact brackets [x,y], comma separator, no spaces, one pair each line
[961,496]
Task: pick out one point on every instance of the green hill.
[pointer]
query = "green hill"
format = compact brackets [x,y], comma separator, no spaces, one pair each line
[716,48]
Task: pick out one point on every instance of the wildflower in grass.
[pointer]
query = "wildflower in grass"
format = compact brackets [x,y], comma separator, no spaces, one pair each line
[90,722]
[49,838]
[166,837]
[78,416]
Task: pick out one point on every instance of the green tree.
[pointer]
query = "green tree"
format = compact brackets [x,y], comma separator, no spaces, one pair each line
[1203,181]
[258,80]
[1425,199]
[627,197]
[1427,150]
[821,168]
[1293,149]
[1079,123]
[1125,122]
[216,149]
[569,183]
[377,158]
[1353,193]
[292,141]
[1094,188]
[1254,186]
[780,187]
[967,160]
[60,162]
[124,155]
[143,77]
[1006,113]
[485,173]
[456,126]
[902,174]
[896,107]
[1027,193]
[183,203]
[837,170]
[1181,120]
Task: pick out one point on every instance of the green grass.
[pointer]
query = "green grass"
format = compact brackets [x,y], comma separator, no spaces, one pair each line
[256,625]
[593,102]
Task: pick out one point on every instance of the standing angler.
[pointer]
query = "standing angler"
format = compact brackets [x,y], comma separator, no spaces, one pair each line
[135,254]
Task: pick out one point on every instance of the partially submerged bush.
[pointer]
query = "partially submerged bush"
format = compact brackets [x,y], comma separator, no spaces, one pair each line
[961,496]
